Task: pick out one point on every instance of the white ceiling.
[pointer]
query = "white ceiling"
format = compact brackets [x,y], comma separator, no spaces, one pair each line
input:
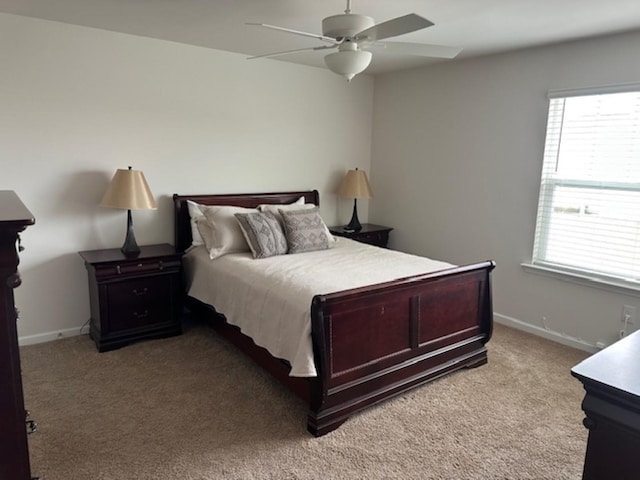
[478,26]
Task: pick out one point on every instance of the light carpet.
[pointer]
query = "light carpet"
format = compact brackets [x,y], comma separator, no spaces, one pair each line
[192,407]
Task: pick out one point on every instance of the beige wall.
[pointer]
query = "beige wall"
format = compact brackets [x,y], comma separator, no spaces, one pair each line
[78,103]
[454,156]
[457,154]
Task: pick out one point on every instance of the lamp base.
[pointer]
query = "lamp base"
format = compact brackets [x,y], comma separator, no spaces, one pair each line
[354,224]
[130,247]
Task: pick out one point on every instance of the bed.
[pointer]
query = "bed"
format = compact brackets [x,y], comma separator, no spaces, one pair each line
[369,343]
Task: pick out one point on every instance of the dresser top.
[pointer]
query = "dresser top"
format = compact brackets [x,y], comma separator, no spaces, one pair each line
[615,367]
[13,213]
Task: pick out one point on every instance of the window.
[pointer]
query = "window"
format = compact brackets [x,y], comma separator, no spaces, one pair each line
[588,219]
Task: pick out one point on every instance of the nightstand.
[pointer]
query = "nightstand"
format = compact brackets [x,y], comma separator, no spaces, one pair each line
[370,233]
[133,298]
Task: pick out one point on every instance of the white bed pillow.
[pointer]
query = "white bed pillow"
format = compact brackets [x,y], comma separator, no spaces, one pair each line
[276,209]
[195,212]
[227,236]
[205,231]
[273,208]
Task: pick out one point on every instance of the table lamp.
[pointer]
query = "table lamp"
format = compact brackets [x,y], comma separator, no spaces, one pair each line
[129,190]
[355,185]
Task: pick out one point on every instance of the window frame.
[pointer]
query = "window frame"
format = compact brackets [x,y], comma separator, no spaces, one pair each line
[548,184]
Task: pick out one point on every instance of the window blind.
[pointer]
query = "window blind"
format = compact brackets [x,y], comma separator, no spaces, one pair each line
[589,208]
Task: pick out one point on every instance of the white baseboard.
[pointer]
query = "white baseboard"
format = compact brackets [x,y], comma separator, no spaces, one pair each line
[498,318]
[543,332]
[50,336]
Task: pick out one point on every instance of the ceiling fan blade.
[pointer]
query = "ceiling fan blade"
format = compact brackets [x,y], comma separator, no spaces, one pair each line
[288,52]
[418,49]
[393,28]
[295,32]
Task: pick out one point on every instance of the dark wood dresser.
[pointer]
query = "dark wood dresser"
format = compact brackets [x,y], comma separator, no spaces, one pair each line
[611,379]
[14,451]
[134,298]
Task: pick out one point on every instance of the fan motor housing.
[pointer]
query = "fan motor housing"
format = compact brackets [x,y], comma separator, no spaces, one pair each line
[345,25]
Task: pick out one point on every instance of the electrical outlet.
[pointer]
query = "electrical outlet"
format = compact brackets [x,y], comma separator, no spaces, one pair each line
[629,314]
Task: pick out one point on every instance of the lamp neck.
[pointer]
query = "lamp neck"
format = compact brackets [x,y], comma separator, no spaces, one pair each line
[130,247]
[354,224]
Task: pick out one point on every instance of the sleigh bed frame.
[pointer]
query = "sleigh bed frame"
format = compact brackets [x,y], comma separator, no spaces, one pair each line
[370,343]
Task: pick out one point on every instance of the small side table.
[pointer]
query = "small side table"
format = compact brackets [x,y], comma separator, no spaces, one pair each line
[372,234]
[134,298]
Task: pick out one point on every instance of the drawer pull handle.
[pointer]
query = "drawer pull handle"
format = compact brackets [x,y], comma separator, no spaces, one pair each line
[14,281]
[160,265]
[118,269]
[32,427]
[589,423]
[139,293]
[141,315]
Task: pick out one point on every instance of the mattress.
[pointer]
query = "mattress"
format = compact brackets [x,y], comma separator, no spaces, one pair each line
[269,299]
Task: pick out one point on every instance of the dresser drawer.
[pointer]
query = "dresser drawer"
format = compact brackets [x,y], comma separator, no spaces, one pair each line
[139,303]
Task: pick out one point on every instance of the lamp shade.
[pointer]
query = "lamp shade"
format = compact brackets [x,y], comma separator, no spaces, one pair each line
[129,190]
[348,63]
[355,185]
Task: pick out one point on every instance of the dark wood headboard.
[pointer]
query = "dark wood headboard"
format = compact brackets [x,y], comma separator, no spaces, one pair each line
[182,225]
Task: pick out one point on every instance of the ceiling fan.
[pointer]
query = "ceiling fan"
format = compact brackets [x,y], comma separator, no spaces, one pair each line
[353,34]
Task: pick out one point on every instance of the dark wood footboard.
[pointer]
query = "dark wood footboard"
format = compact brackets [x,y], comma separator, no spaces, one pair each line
[376,342]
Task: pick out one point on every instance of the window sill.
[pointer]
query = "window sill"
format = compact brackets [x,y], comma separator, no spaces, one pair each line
[611,285]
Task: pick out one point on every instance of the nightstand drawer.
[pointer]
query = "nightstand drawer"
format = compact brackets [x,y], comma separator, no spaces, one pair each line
[369,233]
[139,302]
[374,238]
[114,270]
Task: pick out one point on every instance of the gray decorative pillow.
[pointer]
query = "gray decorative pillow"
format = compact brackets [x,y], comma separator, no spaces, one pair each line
[305,230]
[263,234]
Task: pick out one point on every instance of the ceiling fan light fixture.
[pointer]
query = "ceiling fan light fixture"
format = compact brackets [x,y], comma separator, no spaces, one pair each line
[349,32]
[346,25]
[348,63]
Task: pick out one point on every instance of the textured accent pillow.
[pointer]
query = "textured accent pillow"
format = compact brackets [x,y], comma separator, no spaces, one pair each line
[227,236]
[276,209]
[263,233]
[305,230]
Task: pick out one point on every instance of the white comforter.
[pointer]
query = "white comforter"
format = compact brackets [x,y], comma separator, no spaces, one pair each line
[270,298]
